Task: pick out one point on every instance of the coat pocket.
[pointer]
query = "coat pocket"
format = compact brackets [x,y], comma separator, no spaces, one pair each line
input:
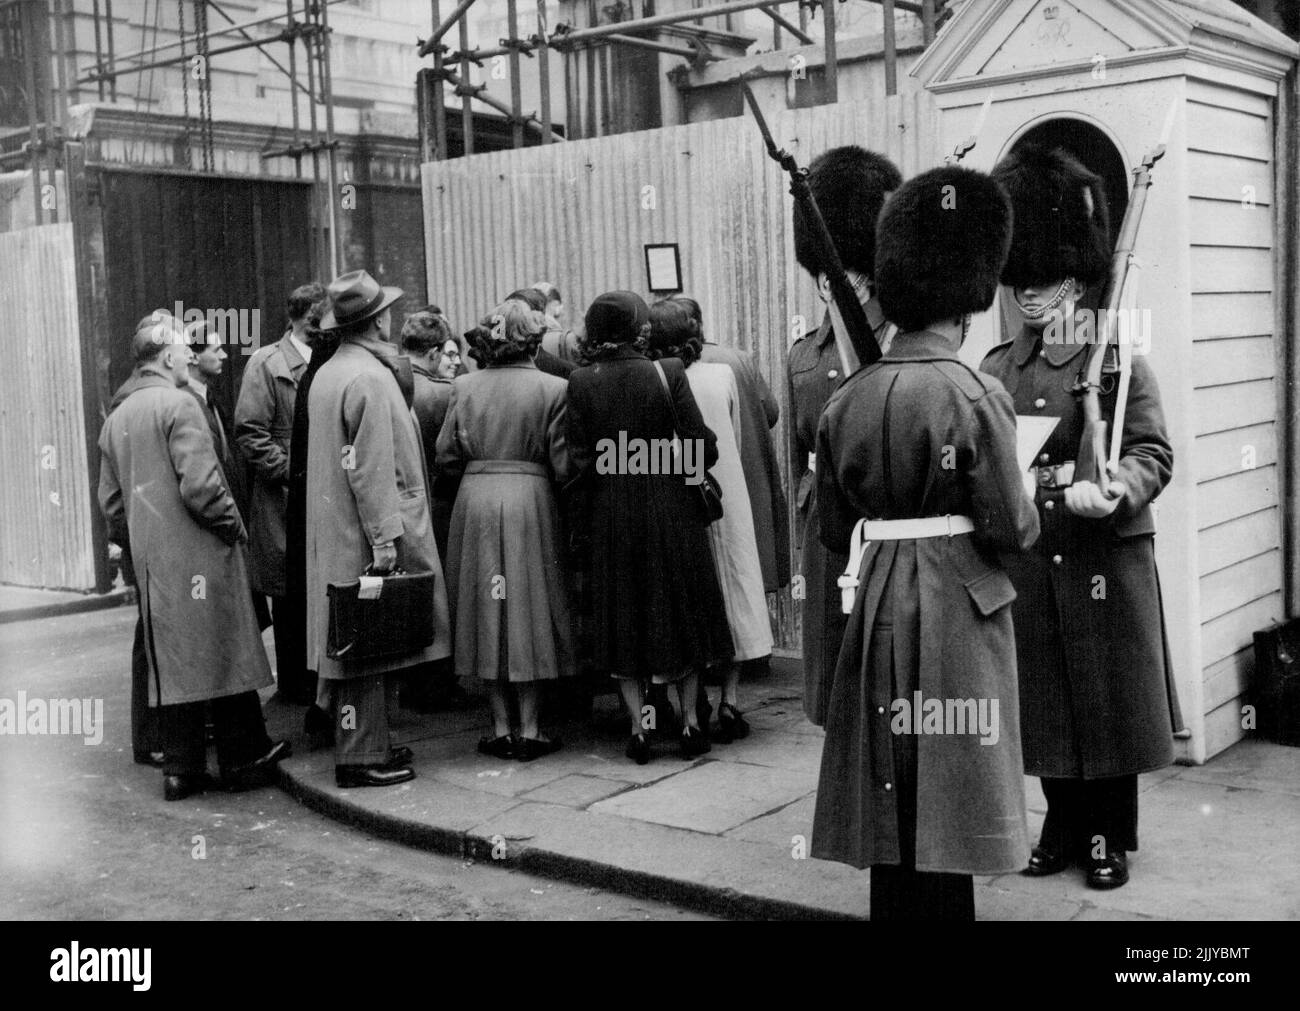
[991,591]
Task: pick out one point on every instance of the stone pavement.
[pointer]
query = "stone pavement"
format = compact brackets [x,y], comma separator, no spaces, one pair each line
[24,603]
[724,833]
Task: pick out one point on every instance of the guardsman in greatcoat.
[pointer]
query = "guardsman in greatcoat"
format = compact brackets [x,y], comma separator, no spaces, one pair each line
[850,185]
[922,777]
[1096,690]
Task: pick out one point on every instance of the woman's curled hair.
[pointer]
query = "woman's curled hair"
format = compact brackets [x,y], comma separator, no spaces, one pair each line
[511,332]
[674,331]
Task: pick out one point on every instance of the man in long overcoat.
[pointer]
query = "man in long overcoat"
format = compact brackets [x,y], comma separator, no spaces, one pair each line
[162,492]
[366,506]
[1096,689]
[263,427]
[850,185]
[921,776]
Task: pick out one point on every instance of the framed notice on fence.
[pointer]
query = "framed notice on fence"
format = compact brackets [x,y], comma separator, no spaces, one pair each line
[663,268]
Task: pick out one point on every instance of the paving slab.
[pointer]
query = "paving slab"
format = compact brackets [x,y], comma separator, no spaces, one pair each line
[711,797]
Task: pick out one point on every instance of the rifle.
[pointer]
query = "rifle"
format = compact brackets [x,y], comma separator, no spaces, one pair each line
[1095,461]
[853,336]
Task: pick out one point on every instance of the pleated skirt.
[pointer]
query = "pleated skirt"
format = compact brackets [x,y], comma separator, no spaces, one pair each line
[505,580]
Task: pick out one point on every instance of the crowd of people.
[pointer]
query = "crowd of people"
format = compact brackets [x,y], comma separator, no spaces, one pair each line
[609,508]
[356,450]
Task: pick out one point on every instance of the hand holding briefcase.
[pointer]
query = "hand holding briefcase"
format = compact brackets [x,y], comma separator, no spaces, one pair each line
[380,616]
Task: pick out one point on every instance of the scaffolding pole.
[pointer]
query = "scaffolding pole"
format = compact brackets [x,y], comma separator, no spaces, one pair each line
[327,96]
[789,26]
[891,49]
[544,71]
[516,86]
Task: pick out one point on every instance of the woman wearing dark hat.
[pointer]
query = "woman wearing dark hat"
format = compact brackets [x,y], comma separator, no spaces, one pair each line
[1097,699]
[505,432]
[657,614]
[921,776]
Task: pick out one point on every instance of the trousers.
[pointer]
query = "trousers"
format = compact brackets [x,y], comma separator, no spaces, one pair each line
[361,718]
[1087,814]
[238,724]
[144,721]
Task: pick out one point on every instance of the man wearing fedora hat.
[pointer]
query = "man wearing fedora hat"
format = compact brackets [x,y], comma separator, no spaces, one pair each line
[365,506]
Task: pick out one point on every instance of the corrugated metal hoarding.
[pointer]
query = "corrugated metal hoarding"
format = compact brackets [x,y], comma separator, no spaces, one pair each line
[579,214]
[45,539]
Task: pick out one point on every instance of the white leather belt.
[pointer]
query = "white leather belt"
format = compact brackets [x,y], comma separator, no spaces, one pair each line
[865,531]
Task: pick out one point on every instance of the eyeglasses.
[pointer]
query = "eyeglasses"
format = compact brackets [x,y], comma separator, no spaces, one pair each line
[453,355]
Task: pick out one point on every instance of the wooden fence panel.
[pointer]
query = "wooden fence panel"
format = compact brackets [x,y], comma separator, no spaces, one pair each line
[45,539]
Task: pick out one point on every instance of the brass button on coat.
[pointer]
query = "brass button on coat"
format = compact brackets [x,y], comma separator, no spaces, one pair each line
[1040,403]
[1056,559]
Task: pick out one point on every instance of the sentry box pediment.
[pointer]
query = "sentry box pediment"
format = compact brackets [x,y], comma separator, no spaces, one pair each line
[1018,40]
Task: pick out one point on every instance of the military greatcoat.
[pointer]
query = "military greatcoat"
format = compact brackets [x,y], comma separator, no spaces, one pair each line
[815,373]
[1096,689]
[920,434]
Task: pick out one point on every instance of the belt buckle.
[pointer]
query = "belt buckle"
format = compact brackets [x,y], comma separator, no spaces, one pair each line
[1046,476]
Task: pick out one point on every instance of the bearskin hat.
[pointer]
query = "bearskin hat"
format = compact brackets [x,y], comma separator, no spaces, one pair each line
[1062,225]
[941,242]
[849,184]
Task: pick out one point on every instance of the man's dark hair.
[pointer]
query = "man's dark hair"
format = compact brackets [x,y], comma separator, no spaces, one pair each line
[302,298]
[424,331]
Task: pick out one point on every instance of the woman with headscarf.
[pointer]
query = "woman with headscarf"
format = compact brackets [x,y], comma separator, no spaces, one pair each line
[657,613]
[675,333]
[505,433]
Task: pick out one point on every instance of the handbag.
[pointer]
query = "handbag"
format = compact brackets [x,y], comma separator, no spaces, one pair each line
[708,493]
[1276,684]
[395,620]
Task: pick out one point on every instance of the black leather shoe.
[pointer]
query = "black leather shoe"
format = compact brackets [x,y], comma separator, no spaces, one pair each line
[694,742]
[502,747]
[731,724]
[529,748]
[638,749]
[319,728]
[258,772]
[1044,862]
[154,758]
[346,776]
[1111,871]
[178,787]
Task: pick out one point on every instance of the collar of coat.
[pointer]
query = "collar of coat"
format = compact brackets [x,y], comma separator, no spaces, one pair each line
[391,359]
[1026,345]
[289,364]
[625,351]
[144,377]
[920,346]
[875,320]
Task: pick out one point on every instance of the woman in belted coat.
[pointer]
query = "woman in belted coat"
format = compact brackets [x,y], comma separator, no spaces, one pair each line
[923,442]
[1098,704]
[505,433]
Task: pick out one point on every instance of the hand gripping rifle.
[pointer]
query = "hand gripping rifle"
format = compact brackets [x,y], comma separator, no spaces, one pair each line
[1096,462]
[853,336]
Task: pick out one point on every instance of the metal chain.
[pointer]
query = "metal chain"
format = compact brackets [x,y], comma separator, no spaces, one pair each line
[205,83]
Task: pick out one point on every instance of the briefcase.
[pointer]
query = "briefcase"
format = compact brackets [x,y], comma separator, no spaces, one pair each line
[397,620]
[1276,691]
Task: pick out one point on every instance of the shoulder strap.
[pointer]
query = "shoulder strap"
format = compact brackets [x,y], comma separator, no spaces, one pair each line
[672,407]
